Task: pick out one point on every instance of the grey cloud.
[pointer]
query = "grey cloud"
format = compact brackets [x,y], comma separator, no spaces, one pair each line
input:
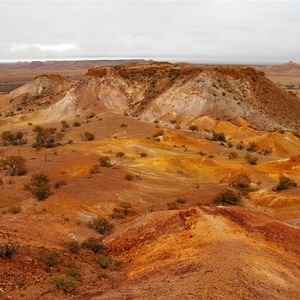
[221,31]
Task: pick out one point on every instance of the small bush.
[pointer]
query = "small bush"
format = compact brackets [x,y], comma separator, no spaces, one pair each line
[158,134]
[193,128]
[120,154]
[13,139]
[219,137]
[59,184]
[143,154]
[105,161]
[46,137]
[76,124]
[73,272]
[8,250]
[296,134]
[39,186]
[101,225]
[181,200]
[227,197]
[93,244]
[123,125]
[252,147]
[14,210]
[65,283]
[64,125]
[73,246]
[103,275]
[242,182]
[129,177]
[201,153]
[284,183]
[233,155]
[92,115]
[15,165]
[51,259]
[172,205]
[87,136]
[95,169]
[107,262]
[252,160]
[240,146]
[123,210]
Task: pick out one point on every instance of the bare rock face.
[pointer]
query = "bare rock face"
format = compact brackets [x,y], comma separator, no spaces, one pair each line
[187,92]
[35,94]
[182,92]
[41,86]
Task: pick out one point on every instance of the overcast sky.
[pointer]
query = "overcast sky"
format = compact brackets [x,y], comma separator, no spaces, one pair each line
[203,31]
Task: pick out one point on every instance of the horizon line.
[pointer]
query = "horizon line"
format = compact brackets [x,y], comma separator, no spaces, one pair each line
[171,59]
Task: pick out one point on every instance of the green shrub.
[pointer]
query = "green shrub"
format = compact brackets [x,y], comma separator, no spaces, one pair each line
[219,137]
[39,186]
[296,134]
[8,250]
[59,184]
[64,125]
[105,161]
[101,225]
[172,205]
[92,115]
[76,124]
[158,134]
[95,169]
[143,154]
[107,262]
[13,139]
[15,165]
[242,182]
[252,147]
[227,197]
[233,155]
[252,160]
[65,283]
[181,200]
[193,128]
[123,210]
[87,136]
[14,210]
[51,259]
[128,177]
[120,154]
[103,275]
[46,137]
[201,153]
[73,246]
[284,183]
[73,272]
[240,146]
[93,244]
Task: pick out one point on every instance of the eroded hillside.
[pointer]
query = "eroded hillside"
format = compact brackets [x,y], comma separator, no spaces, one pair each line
[150,148]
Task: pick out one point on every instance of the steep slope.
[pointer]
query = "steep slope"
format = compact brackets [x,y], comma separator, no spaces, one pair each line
[38,92]
[178,92]
[186,92]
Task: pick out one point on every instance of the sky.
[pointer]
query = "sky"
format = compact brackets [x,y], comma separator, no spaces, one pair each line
[198,31]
